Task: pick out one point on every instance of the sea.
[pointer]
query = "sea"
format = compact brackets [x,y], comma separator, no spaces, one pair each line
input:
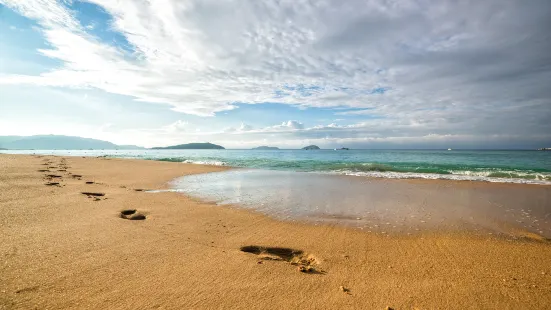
[505,166]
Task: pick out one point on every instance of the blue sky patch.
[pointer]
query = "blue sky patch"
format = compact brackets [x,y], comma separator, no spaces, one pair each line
[98,23]
[20,40]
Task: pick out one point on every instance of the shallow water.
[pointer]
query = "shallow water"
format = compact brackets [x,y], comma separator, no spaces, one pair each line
[382,206]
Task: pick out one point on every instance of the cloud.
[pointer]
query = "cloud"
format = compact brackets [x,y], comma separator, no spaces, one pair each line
[290,125]
[411,68]
[177,126]
[372,134]
[245,127]
[283,127]
[242,128]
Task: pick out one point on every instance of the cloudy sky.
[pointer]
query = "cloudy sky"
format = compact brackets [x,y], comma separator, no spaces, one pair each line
[287,73]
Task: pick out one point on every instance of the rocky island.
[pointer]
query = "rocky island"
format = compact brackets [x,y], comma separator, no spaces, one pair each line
[265,148]
[311,147]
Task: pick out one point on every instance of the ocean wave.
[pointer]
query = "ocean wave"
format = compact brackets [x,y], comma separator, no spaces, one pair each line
[205,162]
[391,170]
[465,176]
[169,159]
[427,171]
[190,161]
[506,174]
[362,167]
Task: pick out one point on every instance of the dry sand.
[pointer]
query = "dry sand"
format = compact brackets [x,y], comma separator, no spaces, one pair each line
[61,249]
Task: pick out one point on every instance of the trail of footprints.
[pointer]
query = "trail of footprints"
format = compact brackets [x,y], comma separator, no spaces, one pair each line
[53,179]
[305,263]
[52,176]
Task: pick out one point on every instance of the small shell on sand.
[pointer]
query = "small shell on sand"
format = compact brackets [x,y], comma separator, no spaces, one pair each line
[344,289]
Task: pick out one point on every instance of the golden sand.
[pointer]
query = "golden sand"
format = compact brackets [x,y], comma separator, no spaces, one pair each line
[61,249]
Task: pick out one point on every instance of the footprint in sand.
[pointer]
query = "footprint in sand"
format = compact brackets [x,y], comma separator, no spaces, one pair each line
[50,178]
[94,195]
[305,262]
[132,215]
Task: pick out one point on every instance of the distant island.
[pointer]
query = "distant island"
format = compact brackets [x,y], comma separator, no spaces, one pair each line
[58,142]
[311,147]
[545,149]
[191,146]
[2,149]
[265,148]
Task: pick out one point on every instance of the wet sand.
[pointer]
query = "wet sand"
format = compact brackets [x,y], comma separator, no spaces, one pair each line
[62,249]
[380,205]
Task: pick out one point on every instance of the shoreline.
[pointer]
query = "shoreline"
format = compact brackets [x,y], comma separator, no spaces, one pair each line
[367,169]
[65,250]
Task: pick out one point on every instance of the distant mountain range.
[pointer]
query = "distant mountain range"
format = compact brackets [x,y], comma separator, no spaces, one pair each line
[192,146]
[58,142]
[265,148]
[55,142]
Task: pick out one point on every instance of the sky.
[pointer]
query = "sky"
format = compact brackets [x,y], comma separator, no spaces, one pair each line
[285,73]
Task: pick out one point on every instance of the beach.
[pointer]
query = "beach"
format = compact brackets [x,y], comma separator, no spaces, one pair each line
[62,249]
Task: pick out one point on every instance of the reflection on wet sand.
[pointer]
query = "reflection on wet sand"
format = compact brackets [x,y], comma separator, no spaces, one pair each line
[382,206]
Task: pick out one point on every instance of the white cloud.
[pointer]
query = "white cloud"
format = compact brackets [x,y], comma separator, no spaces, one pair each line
[177,126]
[361,135]
[245,127]
[418,67]
[242,128]
[290,125]
[286,126]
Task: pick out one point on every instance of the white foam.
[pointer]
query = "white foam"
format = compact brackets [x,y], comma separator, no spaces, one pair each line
[512,174]
[475,176]
[205,162]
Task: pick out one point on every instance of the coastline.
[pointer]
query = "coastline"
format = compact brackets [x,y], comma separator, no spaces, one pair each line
[62,249]
[495,166]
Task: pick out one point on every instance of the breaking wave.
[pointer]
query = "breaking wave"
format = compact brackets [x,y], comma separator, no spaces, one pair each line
[396,170]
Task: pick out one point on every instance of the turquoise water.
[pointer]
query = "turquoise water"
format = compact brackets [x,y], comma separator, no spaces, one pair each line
[475,165]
